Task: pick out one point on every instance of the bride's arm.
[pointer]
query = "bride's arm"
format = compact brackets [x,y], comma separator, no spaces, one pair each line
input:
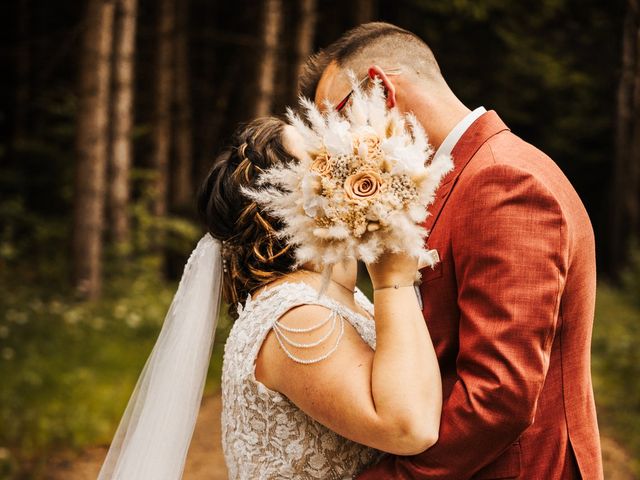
[389,399]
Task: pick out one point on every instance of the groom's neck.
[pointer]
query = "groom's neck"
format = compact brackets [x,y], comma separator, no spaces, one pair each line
[438,110]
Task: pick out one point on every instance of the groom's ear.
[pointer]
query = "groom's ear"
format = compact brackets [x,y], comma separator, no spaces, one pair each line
[376,71]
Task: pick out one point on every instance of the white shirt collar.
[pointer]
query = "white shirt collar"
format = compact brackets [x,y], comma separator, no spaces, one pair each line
[456,133]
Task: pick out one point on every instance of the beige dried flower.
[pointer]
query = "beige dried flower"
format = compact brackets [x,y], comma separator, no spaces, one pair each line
[322,164]
[323,222]
[373,226]
[362,185]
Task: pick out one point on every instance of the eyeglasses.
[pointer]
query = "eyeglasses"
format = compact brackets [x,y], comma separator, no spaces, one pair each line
[344,101]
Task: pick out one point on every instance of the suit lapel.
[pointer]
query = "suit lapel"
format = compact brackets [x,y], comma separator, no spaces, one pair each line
[485,127]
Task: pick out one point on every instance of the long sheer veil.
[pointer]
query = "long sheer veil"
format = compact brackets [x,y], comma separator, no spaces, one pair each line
[153,437]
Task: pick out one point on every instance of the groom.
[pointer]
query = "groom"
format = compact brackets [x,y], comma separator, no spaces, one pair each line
[510,305]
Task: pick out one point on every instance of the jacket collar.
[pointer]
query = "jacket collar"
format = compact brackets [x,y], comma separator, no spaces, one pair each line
[485,127]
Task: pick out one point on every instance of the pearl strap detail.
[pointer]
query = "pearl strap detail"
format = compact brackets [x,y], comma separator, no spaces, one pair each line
[307,329]
[278,326]
[282,339]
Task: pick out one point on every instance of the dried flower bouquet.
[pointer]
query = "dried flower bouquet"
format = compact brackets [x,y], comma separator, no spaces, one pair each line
[362,187]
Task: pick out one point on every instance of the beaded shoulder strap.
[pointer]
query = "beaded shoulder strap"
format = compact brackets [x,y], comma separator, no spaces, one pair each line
[288,295]
[282,333]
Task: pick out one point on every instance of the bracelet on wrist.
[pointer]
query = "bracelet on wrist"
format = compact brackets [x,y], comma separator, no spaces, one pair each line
[397,286]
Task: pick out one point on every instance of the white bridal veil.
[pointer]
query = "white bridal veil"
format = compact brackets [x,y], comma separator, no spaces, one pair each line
[153,437]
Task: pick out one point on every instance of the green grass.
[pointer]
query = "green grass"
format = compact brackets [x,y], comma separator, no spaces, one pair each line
[616,366]
[68,368]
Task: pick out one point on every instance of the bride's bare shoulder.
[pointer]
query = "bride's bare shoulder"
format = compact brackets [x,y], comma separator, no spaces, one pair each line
[301,333]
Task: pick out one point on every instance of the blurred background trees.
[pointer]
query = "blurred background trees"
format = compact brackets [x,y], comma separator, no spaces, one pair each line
[112,111]
[625,185]
[563,75]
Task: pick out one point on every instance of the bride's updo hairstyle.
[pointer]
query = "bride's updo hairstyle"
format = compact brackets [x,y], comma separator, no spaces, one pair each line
[253,255]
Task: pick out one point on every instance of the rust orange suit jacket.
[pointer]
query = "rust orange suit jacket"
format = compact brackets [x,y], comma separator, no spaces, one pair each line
[510,310]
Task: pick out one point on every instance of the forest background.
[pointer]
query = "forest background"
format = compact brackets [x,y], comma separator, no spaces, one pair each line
[111,112]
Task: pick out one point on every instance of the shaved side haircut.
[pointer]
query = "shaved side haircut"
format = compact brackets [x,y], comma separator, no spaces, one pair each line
[376,42]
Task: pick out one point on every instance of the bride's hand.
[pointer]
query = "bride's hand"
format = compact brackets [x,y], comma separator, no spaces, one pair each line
[394,269]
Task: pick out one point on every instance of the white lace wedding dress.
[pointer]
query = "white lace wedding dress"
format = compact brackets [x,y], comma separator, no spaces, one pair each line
[264,435]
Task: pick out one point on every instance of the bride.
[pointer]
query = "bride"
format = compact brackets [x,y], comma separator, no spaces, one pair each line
[313,386]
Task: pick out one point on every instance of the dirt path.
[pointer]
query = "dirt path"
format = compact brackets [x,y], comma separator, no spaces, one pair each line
[206,462]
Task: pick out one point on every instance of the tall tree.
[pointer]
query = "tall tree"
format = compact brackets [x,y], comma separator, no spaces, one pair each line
[182,184]
[91,146]
[208,92]
[271,26]
[215,117]
[161,135]
[23,60]
[122,119]
[625,205]
[303,41]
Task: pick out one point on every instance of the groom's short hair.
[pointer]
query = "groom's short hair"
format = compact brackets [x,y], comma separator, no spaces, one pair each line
[358,48]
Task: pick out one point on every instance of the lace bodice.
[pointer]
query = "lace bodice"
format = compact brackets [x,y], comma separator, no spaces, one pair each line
[264,435]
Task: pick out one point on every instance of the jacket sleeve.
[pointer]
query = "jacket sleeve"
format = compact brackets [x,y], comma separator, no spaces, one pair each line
[509,244]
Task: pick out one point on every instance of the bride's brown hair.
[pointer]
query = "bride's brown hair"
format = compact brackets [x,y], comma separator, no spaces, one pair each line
[252,252]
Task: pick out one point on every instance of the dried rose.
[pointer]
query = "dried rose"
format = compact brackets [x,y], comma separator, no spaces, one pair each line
[362,185]
[322,165]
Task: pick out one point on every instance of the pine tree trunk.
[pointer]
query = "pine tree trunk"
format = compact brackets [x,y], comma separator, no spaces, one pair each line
[215,118]
[633,192]
[122,120]
[210,93]
[182,184]
[364,11]
[626,176]
[23,67]
[161,135]
[91,145]
[305,34]
[271,26]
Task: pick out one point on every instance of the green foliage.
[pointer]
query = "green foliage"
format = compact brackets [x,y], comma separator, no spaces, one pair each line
[68,368]
[549,70]
[616,365]
[630,277]
[176,232]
